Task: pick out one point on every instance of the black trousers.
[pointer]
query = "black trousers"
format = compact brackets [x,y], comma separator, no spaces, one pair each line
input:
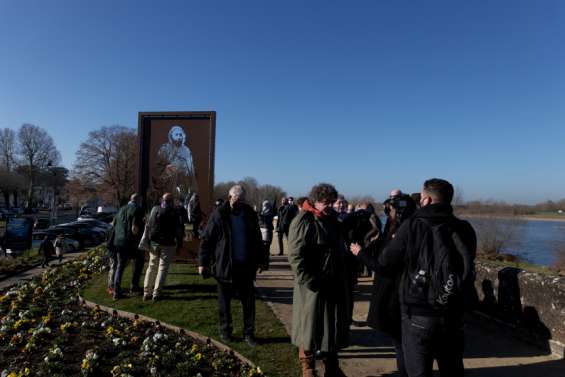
[242,287]
[280,236]
[138,260]
[427,338]
[399,357]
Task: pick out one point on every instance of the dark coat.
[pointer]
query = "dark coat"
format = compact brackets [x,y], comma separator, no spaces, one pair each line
[402,251]
[215,246]
[128,218]
[46,248]
[285,215]
[384,308]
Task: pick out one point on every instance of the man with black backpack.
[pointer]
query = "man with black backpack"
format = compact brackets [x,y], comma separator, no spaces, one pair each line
[165,228]
[435,252]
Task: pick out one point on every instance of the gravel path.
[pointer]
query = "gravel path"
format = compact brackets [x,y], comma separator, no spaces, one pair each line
[26,275]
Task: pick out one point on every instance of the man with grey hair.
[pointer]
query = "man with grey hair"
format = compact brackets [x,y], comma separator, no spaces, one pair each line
[232,251]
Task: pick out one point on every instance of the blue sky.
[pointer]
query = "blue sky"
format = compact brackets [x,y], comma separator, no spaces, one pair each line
[369,95]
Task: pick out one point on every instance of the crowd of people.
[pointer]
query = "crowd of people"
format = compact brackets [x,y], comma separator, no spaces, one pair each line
[422,261]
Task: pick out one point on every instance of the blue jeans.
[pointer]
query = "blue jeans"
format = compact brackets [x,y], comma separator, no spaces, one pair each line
[427,338]
[120,261]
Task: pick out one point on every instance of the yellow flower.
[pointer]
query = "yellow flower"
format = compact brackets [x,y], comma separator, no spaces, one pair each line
[66,326]
[85,364]
[18,324]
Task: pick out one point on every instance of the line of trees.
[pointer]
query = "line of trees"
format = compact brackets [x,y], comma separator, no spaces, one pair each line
[256,193]
[491,207]
[29,159]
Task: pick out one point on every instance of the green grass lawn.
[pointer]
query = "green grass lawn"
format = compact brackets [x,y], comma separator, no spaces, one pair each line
[191,302]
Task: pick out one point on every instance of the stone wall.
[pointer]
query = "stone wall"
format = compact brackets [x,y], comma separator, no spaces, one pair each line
[532,304]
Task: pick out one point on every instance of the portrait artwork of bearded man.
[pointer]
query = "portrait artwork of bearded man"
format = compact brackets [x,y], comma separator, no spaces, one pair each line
[175,159]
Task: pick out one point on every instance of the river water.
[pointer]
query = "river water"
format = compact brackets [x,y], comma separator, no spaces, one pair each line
[535,241]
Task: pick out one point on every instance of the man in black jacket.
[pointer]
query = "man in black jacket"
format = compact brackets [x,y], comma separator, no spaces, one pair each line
[281,213]
[46,249]
[232,251]
[429,331]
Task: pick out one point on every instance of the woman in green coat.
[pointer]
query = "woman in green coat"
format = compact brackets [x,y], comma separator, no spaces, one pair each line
[320,304]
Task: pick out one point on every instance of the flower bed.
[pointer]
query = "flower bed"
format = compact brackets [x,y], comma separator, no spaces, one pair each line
[45,331]
[13,265]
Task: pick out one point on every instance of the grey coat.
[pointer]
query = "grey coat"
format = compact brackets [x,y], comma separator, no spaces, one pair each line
[320,300]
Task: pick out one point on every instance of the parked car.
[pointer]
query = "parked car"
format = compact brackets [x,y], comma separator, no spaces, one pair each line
[71,244]
[41,224]
[83,236]
[100,231]
[95,223]
[6,213]
[104,217]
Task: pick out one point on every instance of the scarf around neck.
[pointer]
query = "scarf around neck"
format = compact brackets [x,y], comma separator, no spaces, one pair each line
[310,208]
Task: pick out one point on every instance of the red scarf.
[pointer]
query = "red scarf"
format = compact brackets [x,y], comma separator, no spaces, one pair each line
[308,207]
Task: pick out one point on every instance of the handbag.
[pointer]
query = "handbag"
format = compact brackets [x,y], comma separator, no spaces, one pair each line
[145,242]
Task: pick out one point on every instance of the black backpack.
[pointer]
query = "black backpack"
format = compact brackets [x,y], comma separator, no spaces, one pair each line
[164,228]
[442,271]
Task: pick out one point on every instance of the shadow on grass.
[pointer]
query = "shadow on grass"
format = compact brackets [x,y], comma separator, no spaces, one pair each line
[187,298]
[274,340]
[191,288]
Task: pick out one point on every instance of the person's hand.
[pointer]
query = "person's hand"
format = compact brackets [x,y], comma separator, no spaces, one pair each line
[355,248]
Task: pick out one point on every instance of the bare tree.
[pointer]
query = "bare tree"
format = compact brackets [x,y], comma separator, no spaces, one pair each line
[36,151]
[108,159]
[255,193]
[11,183]
[7,148]
[358,199]
[495,235]
[559,263]
[80,192]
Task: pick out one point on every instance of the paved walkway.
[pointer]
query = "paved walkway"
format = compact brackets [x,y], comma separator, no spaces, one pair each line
[26,275]
[489,350]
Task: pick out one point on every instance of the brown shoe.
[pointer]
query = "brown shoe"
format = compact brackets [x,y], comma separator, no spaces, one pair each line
[308,362]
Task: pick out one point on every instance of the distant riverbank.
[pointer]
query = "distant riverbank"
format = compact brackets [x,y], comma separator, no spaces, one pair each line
[541,217]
